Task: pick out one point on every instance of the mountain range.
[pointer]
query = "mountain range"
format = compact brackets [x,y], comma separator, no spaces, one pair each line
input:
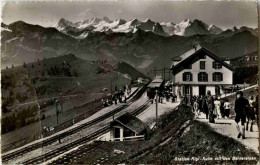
[144,45]
[184,28]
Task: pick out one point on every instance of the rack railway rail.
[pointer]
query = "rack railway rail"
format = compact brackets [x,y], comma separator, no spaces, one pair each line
[88,138]
[55,138]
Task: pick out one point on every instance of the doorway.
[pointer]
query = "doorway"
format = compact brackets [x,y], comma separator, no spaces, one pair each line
[187,90]
[117,133]
[202,90]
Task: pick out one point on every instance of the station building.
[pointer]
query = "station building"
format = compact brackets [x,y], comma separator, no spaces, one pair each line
[127,127]
[198,70]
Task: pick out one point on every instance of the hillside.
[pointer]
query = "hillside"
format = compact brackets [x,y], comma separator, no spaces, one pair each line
[49,77]
[246,60]
[45,80]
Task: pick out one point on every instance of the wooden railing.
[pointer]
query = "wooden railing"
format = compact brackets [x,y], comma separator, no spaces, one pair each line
[130,138]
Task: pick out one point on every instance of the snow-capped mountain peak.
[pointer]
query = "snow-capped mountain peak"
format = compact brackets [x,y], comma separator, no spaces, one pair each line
[63,24]
[214,29]
[185,23]
[106,19]
[184,28]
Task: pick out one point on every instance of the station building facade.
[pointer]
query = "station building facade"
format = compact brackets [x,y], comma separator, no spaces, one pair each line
[199,70]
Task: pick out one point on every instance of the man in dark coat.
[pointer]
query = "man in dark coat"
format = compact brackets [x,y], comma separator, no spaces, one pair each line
[211,107]
[241,106]
[222,110]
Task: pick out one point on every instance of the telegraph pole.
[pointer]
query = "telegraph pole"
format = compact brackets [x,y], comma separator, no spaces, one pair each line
[156,107]
[57,113]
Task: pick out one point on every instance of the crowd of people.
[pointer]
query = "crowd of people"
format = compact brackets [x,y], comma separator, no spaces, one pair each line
[212,107]
[165,95]
[216,108]
[119,96]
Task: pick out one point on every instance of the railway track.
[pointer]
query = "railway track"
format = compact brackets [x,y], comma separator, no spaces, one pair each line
[88,138]
[55,138]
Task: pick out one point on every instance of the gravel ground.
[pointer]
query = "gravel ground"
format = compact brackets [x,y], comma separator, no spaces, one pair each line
[227,127]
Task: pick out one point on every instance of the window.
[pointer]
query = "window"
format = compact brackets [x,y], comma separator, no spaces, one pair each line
[202,76]
[202,64]
[187,66]
[217,76]
[216,65]
[187,76]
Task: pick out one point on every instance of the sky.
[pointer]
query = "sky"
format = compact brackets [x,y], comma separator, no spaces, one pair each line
[224,14]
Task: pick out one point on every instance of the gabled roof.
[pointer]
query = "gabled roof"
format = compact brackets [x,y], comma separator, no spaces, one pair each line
[187,53]
[132,123]
[190,54]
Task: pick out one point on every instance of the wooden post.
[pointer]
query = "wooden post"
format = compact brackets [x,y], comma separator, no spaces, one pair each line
[156,107]
[169,74]
[57,113]
[163,73]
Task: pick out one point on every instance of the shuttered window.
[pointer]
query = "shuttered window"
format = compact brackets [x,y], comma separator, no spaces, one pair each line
[187,76]
[217,76]
[203,77]
[216,65]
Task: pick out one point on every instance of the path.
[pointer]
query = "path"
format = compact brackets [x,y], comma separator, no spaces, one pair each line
[148,116]
[227,127]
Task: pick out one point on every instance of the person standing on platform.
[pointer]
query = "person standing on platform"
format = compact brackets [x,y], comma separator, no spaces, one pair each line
[255,105]
[204,106]
[217,107]
[222,110]
[226,108]
[211,107]
[250,114]
[196,108]
[241,107]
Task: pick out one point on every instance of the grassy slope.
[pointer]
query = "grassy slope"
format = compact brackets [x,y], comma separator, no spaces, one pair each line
[72,75]
[172,139]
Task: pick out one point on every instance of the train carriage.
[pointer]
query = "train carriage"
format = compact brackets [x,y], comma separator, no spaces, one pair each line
[156,84]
